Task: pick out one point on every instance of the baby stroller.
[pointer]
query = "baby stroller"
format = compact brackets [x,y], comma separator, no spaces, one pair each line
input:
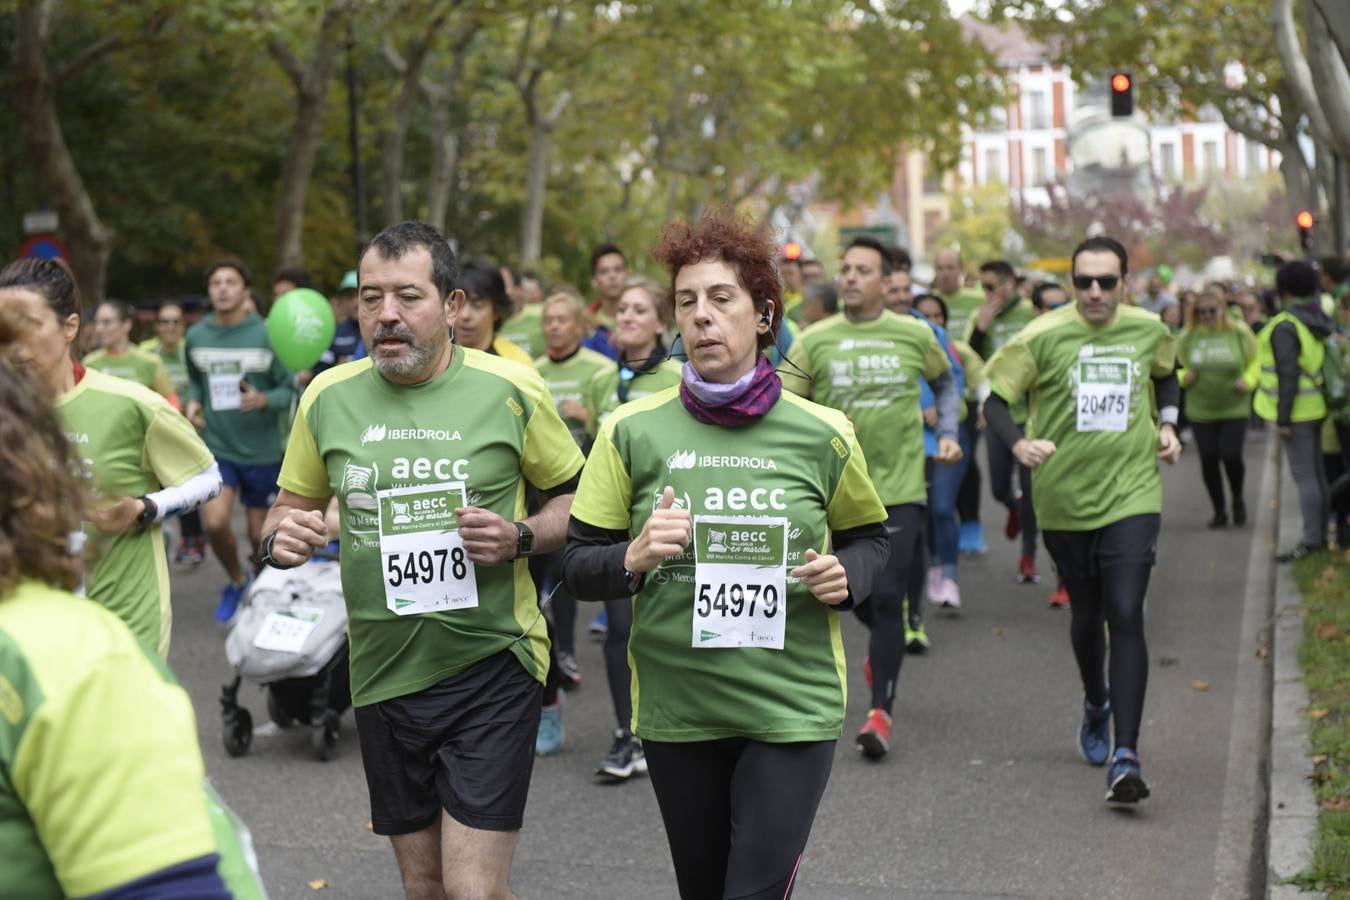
[291,637]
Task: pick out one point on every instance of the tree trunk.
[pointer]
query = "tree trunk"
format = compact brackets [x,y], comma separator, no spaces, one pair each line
[89,240]
[311,93]
[396,139]
[1336,13]
[1298,75]
[1330,77]
[444,169]
[536,186]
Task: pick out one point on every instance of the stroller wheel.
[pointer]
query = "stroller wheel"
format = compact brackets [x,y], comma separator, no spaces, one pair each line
[325,735]
[277,710]
[238,733]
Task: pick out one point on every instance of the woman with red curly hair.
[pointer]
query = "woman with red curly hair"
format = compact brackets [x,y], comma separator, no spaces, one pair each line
[741,519]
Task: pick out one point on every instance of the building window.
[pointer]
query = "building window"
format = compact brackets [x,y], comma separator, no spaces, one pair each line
[1038,112]
[1210,151]
[993,165]
[1168,153]
[1040,165]
[1254,158]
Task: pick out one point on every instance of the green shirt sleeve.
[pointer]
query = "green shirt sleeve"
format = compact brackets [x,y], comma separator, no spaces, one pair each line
[855,502]
[550,456]
[280,387]
[1012,371]
[109,811]
[194,376]
[606,490]
[162,384]
[1165,360]
[1247,341]
[173,450]
[799,361]
[302,468]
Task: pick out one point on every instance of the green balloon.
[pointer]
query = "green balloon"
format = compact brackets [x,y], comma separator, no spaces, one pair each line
[301,327]
[1165,273]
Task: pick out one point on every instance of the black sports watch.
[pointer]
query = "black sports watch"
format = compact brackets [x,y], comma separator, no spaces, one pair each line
[524,540]
[148,514]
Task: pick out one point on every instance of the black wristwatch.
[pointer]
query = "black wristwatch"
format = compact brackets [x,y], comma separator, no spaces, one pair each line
[524,540]
[148,514]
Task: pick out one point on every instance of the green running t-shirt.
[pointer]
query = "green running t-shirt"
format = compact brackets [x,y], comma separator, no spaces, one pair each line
[568,380]
[136,365]
[1218,357]
[1005,326]
[218,358]
[603,390]
[770,489]
[400,459]
[961,309]
[526,329]
[1091,393]
[870,371]
[102,777]
[128,441]
[175,363]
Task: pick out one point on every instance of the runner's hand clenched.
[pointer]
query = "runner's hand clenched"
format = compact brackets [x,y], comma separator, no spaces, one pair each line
[298,535]
[488,538]
[1169,445]
[824,576]
[1032,453]
[666,533]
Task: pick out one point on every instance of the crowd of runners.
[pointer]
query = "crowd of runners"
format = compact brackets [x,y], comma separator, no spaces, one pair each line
[708,468]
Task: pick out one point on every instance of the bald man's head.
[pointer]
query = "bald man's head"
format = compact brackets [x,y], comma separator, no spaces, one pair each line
[947,275]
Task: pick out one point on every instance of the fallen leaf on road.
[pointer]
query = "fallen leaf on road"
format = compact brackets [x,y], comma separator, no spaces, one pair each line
[1199,685]
[317,884]
[370,826]
[1166,661]
[1319,759]
[1263,651]
[1318,714]
[998,632]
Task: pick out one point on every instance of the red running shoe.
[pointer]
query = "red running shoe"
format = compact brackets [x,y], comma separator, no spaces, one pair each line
[1026,570]
[1059,598]
[874,738]
[1013,527]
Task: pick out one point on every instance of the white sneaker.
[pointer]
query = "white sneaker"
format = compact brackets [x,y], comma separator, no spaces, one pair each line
[951,593]
[936,594]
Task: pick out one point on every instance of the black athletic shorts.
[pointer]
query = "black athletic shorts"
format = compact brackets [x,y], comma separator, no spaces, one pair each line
[465,745]
[1131,541]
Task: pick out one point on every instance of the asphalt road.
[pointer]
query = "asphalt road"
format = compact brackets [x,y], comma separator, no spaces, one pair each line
[982,796]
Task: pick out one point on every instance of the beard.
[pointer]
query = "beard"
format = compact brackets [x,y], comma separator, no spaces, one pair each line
[417,360]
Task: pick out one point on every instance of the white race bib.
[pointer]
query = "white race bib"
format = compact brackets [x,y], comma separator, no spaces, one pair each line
[1104,394]
[422,557]
[225,391]
[740,581]
[287,631]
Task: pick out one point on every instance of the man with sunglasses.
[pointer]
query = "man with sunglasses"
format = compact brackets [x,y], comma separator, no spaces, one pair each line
[1094,448]
[1000,318]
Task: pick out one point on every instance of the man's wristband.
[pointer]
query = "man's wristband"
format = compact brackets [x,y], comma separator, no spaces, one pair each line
[149,514]
[265,557]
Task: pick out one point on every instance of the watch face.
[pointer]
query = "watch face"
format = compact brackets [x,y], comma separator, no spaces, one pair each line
[524,539]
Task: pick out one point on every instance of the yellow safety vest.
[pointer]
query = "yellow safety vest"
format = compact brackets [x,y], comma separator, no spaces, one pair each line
[1309,404]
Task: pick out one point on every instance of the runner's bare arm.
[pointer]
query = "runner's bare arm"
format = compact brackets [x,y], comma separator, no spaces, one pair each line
[490,539]
[294,529]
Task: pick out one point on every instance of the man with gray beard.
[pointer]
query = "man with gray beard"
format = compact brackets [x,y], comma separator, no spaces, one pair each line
[426,444]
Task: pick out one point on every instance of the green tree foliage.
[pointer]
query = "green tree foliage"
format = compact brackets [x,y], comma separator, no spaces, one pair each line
[981,217]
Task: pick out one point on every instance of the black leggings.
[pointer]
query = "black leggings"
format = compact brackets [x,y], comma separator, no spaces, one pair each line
[883,611]
[620,614]
[1221,443]
[1106,572]
[738,812]
[1002,464]
[968,497]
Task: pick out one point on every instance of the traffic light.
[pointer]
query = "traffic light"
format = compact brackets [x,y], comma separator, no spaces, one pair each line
[1304,221]
[792,250]
[1122,95]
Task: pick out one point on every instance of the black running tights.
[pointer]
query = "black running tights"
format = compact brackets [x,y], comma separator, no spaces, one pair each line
[882,613]
[620,614]
[738,812]
[1220,443]
[1106,572]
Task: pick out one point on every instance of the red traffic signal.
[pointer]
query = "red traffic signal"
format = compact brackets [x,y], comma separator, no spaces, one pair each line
[1304,220]
[1122,95]
[792,250]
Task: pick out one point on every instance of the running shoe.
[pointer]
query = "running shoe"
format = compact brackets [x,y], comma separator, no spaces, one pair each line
[197,551]
[916,638]
[230,597]
[1220,520]
[1124,780]
[1094,734]
[625,758]
[874,738]
[935,585]
[971,539]
[1059,597]
[600,624]
[549,740]
[1239,513]
[1299,551]
[1026,570]
[569,670]
[1013,527]
[951,593]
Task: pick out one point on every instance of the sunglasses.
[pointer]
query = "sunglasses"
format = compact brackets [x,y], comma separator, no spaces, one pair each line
[626,376]
[170,321]
[1107,282]
[988,287]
